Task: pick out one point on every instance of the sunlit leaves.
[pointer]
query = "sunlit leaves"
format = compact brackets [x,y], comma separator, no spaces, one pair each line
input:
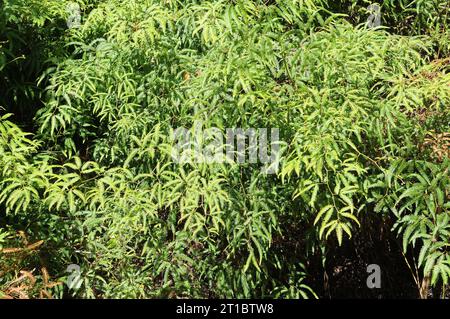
[362,114]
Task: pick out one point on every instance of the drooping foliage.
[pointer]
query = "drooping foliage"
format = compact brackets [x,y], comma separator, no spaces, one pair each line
[364,122]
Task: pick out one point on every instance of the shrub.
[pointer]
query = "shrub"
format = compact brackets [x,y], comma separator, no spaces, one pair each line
[364,129]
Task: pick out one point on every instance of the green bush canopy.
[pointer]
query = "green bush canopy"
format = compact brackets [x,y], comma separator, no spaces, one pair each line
[91,92]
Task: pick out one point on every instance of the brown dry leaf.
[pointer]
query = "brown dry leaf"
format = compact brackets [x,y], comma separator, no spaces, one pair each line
[54,284]
[45,293]
[45,275]
[20,291]
[439,144]
[11,250]
[35,245]
[16,250]
[47,283]
[29,275]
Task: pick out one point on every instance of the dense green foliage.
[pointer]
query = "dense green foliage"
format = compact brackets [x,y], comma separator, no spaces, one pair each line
[364,122]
